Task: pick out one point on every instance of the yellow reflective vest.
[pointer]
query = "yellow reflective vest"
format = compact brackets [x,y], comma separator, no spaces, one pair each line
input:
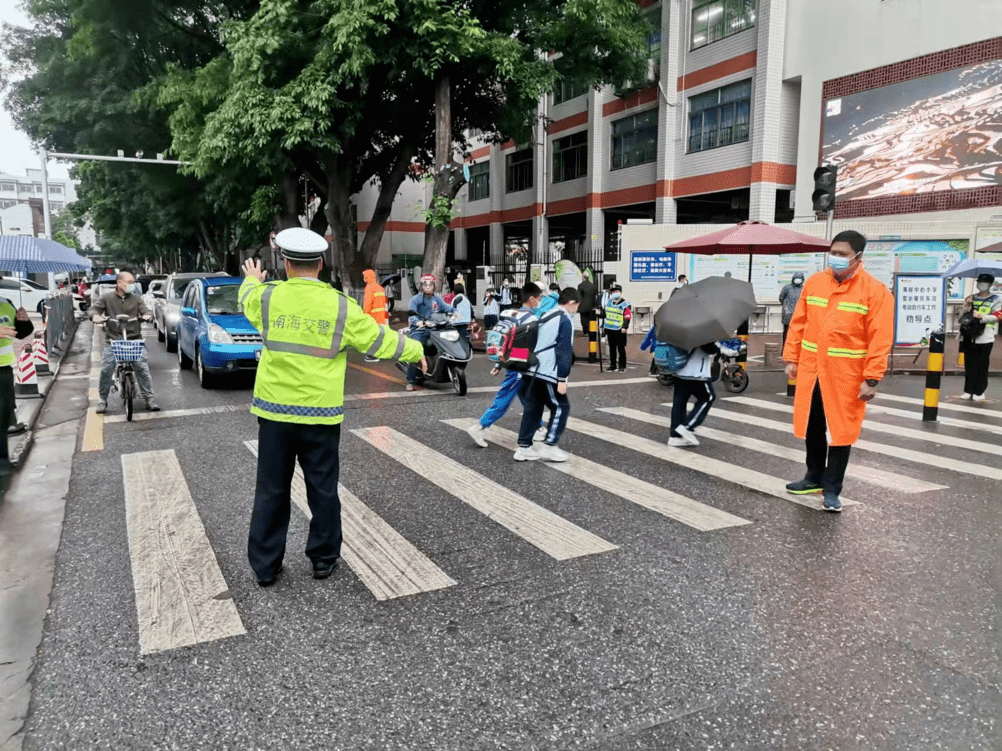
[614,318]
[306,326]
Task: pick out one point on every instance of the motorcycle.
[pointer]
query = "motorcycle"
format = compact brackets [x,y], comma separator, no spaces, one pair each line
[447,351]
[725,368]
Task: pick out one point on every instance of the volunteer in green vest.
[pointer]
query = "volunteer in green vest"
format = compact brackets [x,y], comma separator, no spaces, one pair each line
[987,308]
[617,319]
[306,327]
[14,324]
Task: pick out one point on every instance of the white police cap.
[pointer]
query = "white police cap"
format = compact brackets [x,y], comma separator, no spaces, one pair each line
[300,244]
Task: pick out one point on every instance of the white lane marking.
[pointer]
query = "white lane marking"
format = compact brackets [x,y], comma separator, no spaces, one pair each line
[75,376]
[726,471]
[674,506]
[175,413]
[386,562]
[902,483]
[896,452]
[181,595]
[949,406]
[140,416]
[879,427]
[550,533]
[951,421]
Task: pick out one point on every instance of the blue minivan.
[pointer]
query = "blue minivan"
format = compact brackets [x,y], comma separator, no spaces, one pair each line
[213,334]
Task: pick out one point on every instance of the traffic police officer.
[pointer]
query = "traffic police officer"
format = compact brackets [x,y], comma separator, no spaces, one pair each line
[617,319]
[299,397]
[14,324]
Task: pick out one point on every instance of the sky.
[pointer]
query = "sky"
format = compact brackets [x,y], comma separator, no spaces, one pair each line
[16,151]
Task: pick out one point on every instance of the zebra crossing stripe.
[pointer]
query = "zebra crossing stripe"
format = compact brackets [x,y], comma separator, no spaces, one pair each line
[538,526]
[879,427]
[951,421]
[386,562]
[140,416]
[722,470]
[181,595]
[948,406]
[674,506]
[896,452]
[901,483]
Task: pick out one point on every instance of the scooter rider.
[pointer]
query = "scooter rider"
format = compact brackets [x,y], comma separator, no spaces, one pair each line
[423,305]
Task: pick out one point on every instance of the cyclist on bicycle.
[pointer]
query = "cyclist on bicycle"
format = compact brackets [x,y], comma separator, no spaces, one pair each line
[127,299]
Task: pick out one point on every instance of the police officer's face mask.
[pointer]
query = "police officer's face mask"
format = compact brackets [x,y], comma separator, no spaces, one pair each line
[984,286]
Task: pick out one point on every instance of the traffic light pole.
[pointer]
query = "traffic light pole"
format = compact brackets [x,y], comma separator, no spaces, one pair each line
[828,225]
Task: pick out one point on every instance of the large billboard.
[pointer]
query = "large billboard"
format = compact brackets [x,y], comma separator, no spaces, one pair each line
[937,133]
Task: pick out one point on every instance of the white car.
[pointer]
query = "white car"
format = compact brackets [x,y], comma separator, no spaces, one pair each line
[150,297]
[24,293]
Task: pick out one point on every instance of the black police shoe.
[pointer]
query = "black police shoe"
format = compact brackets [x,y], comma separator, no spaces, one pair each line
[269,582]
[803,487]
[322,570]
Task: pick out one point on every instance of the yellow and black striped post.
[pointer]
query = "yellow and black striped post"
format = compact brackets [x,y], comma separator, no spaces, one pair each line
[592,338]
[791,387]
[933,376]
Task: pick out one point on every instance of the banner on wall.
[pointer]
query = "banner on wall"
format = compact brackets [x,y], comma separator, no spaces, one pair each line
[885,259]
[919,308]
[652,266]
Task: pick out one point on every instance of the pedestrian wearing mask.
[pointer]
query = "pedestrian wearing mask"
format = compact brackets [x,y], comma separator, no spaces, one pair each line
[492,309]
[14,324]
[506,301]
[618,313]
[839,339]
[788,298]
[987,309]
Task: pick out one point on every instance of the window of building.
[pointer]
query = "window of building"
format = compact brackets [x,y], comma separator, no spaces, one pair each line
[635,140]
[480,181]
[7,204]
[712,20]
[654,37]
[518,171]
[25,188]
[55,190]
[567,90]
[570,157]
[38,188]
[719,117]
[8,186]
[56,205]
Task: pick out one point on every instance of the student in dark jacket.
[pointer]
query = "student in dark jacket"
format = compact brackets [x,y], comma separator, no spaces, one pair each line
[547,385]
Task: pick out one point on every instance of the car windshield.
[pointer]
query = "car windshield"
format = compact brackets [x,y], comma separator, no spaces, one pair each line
[223,299]
[179,287]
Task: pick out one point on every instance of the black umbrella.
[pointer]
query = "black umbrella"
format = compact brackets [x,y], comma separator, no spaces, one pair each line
[705,311]
[391,279]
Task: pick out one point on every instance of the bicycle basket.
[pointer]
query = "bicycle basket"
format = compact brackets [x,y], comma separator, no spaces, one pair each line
[128,350]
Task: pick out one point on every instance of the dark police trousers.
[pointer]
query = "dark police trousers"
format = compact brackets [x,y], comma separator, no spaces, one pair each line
[7,417]
[279,445]
[825,465]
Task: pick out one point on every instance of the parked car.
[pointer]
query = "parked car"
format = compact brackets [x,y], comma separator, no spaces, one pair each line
[146,280]
[149,297]
[213,335]
[24,293]
[167,310]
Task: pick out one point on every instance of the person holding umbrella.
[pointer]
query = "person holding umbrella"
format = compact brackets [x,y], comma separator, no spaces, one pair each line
[987,309]
[839,339]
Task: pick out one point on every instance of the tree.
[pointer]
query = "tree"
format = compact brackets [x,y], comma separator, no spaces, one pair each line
[90,72]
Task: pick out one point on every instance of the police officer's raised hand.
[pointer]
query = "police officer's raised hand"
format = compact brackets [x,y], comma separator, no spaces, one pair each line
[253,268]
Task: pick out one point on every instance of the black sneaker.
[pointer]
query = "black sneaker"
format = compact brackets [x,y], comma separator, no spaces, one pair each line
[803,487]
[832,503]
[323,570]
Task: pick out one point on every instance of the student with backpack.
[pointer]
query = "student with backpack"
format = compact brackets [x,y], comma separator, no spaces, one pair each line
[464,311]
[547,385]
[500,343]
[692,380]
[492,309]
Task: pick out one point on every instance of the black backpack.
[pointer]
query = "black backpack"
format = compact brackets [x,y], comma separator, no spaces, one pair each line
[970,327]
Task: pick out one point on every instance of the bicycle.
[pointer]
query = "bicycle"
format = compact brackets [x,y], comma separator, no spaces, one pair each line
[126,351]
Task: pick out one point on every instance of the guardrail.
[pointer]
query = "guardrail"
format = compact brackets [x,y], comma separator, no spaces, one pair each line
[59,320]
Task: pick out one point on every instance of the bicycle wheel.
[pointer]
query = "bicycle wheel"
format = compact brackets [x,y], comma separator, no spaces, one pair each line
[128,391]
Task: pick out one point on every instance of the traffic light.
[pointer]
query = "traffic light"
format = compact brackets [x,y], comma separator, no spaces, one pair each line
[824,188]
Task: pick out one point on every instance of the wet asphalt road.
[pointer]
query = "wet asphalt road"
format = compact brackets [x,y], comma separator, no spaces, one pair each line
[876,628]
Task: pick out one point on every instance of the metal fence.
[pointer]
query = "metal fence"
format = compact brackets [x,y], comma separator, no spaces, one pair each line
[59,321]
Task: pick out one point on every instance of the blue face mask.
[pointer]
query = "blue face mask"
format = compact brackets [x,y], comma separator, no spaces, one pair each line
[839,263]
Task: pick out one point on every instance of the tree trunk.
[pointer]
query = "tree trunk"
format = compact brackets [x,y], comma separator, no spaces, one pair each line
[339,218]
[447,181]
[289,215]
[388,188]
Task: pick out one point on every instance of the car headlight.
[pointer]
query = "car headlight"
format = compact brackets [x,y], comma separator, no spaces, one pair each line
[218,335]
[450,336]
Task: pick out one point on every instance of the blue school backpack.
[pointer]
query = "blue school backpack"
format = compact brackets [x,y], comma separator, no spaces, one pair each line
[668,358]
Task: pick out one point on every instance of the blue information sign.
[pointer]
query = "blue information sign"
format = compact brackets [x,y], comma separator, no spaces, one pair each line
[652,266]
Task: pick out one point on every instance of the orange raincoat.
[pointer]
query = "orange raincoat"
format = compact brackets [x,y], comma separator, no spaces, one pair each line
[840,336]
[374,303]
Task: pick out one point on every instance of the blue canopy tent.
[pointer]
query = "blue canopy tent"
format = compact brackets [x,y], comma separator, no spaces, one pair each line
[21,255]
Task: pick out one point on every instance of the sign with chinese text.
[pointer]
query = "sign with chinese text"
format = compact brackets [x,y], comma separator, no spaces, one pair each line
[919,308]
[652,266]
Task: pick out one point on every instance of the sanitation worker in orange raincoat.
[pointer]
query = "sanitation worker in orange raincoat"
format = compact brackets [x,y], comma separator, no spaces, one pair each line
[374,303]
[836,349]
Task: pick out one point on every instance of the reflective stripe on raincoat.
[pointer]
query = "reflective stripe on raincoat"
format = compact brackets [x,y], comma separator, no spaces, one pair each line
[840,336]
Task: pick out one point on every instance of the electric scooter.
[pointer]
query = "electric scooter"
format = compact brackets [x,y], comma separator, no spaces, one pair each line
[448,352]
